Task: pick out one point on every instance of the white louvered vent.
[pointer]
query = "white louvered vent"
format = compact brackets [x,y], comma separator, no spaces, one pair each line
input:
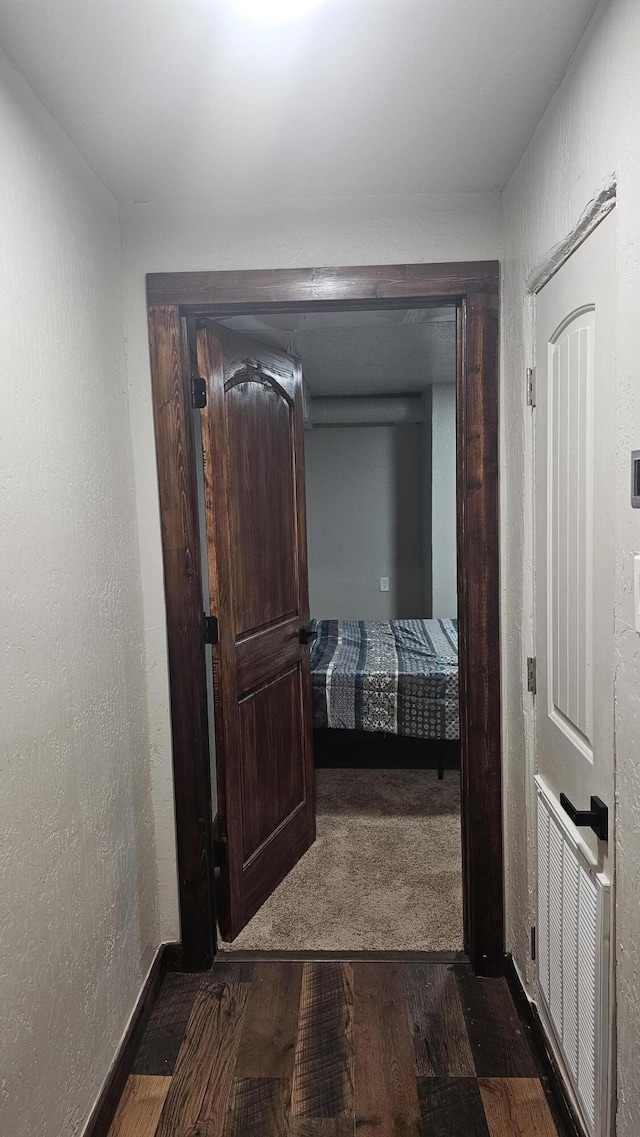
[573,958]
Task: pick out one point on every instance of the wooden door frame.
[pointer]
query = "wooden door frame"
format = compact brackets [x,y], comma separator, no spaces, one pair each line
[174,301]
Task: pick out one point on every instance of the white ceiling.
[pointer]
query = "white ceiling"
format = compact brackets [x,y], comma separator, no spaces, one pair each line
[186,99]
[363,353]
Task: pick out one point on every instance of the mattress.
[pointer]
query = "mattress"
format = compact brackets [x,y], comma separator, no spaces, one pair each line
[395,676]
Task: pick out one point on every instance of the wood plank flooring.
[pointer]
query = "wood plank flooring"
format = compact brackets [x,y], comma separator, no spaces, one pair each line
[334,1049]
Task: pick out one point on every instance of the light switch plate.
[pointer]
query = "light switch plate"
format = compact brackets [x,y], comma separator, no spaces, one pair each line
[384,583]
[636,590]
[635,479]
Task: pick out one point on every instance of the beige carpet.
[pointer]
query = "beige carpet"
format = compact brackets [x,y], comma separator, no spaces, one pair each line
[383,875]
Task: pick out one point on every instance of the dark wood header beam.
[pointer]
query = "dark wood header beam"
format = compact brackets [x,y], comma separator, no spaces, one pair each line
[397,285]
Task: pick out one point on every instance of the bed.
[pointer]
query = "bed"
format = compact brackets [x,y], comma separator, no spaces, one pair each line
[384,681]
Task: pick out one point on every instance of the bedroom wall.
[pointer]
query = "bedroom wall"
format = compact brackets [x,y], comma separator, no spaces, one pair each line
[443,500]
[364,508]
[78,925]
[259,233]
[588,137]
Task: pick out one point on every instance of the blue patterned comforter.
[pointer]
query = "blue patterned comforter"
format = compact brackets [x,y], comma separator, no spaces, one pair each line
[398,676]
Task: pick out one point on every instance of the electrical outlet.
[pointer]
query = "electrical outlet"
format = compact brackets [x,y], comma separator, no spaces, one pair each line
[384,583]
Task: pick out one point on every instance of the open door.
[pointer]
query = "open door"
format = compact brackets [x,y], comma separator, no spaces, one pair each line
[256,549]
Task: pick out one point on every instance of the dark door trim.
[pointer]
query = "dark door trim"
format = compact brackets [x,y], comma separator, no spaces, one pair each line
[174,299]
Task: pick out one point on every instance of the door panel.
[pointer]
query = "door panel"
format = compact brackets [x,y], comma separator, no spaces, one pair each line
[570,521]
[575,504]
[260,428]
[256,546]
[273,781]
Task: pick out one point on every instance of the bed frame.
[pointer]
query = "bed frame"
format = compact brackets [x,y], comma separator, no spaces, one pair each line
[362,750]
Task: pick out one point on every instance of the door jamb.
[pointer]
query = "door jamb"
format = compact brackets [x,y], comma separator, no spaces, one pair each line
[173,300]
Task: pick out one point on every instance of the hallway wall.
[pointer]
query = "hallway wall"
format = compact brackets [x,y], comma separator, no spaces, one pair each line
[78,918]
[588,137]
[237,234]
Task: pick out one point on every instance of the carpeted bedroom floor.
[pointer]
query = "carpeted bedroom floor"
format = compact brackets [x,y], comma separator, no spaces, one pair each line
[384,873]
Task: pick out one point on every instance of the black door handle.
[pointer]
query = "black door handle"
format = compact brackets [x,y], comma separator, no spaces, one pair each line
[597,818]
[308,634]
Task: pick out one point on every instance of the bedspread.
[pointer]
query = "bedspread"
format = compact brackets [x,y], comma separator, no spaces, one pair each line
[397,676]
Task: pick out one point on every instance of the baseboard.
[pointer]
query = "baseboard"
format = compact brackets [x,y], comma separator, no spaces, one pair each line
[546,1059]
[102,1114]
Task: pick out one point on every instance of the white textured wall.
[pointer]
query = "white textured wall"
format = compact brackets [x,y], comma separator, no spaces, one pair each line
[443,500]
[174,236]
[78,891]
[364,521]
[589,134]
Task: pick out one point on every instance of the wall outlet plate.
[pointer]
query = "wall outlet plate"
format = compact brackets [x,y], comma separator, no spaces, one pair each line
[384,583]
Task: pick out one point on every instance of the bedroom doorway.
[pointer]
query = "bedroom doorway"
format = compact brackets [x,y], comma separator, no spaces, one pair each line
[177,304]
[378,409]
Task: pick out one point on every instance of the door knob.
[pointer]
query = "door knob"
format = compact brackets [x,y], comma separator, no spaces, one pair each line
[308,634]
[597,818]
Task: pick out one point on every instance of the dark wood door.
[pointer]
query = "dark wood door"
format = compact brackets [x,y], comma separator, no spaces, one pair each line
[256,545]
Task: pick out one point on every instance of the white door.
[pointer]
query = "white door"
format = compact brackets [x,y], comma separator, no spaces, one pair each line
[575,463]
[575,507]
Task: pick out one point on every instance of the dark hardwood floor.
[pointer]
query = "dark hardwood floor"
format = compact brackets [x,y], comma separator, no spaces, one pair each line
[335,1049]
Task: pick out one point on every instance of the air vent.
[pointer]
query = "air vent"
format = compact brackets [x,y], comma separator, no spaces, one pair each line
[573,959]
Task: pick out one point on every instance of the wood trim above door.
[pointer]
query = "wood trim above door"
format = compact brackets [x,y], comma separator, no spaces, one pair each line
[473,286]
[265,289]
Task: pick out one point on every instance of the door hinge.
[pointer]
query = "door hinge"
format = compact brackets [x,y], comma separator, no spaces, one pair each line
[531,386]
[531,674]
[198,392]
[211,630]
[533,941]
